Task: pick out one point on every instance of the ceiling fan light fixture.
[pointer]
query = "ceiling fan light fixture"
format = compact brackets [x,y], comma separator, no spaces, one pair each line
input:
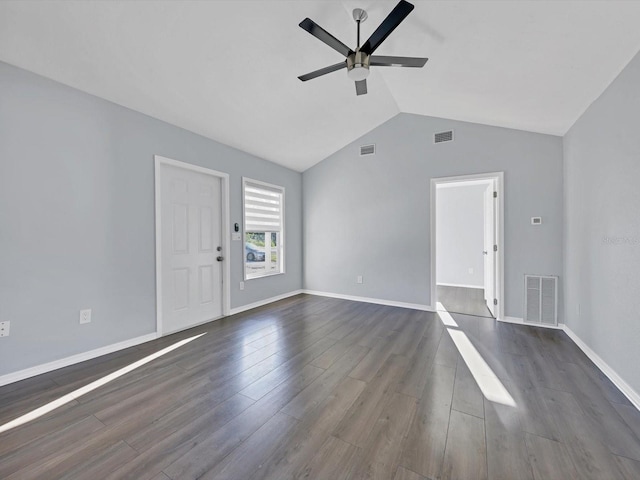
[358,73]
[358,66]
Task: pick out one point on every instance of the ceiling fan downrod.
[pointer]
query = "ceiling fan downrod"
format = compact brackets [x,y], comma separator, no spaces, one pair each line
[358,61]
[359,15]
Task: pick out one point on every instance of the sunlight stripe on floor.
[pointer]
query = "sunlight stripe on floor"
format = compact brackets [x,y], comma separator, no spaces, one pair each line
[69,397]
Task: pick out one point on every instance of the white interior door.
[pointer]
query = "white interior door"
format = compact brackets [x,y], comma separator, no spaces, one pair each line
[191,244]
[490,255]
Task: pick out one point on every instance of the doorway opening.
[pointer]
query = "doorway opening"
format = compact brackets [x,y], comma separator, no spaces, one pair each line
[192,248]
[466,243]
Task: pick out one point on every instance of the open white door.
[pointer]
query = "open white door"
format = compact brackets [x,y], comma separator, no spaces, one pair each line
[190,248]
[490,241]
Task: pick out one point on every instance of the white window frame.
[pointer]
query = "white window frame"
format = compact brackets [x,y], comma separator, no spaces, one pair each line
[246,180]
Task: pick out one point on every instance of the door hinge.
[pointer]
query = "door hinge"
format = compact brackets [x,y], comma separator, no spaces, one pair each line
[495,194]
[495,248]
[495,301]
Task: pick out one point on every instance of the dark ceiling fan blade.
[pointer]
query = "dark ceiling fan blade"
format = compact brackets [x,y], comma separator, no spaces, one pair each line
[397,15]
[384,61]
[361,87]
[321,34]
[322,71]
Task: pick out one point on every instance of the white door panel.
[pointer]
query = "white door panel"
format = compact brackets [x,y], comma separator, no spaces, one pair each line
[191,233]
[490,255]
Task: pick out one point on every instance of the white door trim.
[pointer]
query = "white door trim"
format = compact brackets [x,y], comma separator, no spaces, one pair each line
[498,177]
[226,268]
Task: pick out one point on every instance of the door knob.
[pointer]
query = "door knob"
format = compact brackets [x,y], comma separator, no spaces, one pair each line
[219,258]
[219,249]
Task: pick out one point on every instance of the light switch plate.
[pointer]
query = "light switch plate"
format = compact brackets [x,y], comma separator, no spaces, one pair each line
[235,236]
[4,329]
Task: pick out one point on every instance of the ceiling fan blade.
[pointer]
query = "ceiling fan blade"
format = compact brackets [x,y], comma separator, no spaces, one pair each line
[321,34]
[322,71]
[397,15]
[384,61]
[361,87]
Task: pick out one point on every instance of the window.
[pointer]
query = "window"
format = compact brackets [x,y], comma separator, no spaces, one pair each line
[263,206]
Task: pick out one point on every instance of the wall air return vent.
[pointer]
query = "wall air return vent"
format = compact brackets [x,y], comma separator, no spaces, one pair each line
[540,300]
[367,150]
[443,137]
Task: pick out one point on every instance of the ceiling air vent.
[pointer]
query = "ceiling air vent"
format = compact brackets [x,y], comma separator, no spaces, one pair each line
[367,150]
[443,137]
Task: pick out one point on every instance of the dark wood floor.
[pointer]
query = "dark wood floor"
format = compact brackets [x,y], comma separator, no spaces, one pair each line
[319,388]
[469,301]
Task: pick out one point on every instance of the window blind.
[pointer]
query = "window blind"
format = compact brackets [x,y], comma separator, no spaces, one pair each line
[262,208]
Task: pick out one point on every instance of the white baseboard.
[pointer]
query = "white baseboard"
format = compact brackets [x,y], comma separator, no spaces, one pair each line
[377,301]
[461,285]
[623,386]
[73,359]
[81,357]
[260,303]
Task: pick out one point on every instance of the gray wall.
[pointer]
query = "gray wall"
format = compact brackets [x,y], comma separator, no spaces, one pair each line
[602,237]
[370,215]
[460,235]
[77,218]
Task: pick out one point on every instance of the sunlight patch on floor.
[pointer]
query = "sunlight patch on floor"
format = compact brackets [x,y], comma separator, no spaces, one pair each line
[490,385]
[69,397]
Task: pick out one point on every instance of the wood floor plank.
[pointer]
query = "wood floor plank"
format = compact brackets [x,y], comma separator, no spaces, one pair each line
[271,380]
[630,415]
[614,431]
[463,300]
[424,447]
[158,453]
[549,459]
[467,396]
[334,460]
[103,463]
[535,416]
[47,446]
[311,433]
[249,456]
[591,458]
[200,413]
[630,469]
[375,358]
[380,456]
[404,474]
[47,425]
[507,457]
[465,456]
[414,412]
[420,366]
[357,424]
[312,396]
[447,353]
[203,456]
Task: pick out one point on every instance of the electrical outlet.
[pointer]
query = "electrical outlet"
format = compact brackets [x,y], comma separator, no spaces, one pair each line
[241,285]
[4,329]
[85,316]
[359,279]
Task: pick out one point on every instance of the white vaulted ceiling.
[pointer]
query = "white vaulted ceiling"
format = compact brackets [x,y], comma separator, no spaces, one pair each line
[228,69]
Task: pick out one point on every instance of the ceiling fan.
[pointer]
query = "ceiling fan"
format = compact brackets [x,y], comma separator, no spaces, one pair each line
[358,62]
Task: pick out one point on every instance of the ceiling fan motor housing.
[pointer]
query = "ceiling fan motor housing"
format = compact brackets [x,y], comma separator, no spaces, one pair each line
[358,65]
